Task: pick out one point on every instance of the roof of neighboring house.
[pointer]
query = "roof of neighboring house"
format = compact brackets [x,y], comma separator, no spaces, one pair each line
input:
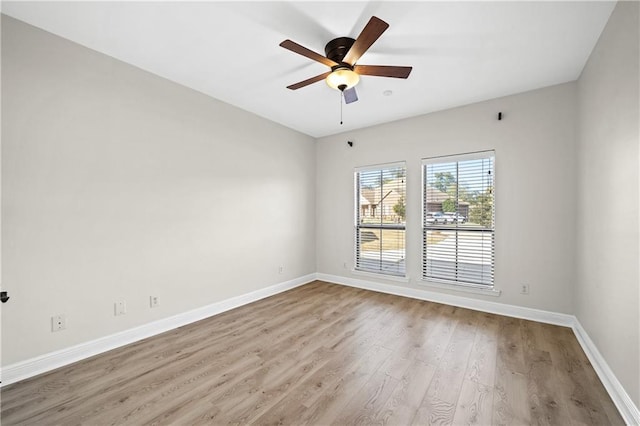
[434,195]
[372,196]
[392,190]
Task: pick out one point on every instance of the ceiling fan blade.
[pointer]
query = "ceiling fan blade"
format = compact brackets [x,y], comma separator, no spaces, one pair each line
[350,95]
[374,29]
[383,70]
[301,50]
[309,81]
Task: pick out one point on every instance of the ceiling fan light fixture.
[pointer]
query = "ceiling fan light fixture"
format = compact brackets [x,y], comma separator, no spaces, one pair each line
[342,79]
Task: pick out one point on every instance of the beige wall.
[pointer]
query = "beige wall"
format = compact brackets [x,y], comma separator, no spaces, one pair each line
[118,184]
[535,189]
[608,281]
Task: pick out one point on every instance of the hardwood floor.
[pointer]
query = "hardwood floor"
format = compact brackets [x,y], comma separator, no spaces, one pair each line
[328,354]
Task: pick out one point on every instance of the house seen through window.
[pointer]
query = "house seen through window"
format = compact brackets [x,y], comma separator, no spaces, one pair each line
[458,219]
[380,219]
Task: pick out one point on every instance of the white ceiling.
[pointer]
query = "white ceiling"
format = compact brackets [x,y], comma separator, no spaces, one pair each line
[461,52]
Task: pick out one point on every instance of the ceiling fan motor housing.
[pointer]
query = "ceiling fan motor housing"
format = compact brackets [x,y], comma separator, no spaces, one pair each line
[337,49]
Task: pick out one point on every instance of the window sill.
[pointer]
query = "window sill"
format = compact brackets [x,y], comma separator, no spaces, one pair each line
[381,276]
[461,287]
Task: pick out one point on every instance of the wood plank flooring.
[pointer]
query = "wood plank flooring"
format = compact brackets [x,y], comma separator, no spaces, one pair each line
[327,354]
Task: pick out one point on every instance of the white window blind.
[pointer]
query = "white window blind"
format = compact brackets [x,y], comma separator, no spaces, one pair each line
[380,194]
[459,219]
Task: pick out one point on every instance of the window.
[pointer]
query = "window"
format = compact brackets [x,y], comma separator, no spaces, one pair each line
[380,194]
[458,219]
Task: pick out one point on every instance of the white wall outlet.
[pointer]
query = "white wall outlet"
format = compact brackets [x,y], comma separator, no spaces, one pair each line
[524,289]
[58,322]
[280,269]
[344,265]
[154,301]
[120,308]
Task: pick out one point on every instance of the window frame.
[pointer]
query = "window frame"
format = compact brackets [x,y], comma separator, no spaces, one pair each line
[381,226]
[457,283]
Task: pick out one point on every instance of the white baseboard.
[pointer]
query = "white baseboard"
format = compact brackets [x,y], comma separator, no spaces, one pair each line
[628,410]
[618,394]
[460,301]
[47,362]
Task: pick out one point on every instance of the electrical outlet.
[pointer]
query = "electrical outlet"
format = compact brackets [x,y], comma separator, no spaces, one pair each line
[524,289]
[58,322]
[280,269]
[154,301]
[344,265]
[120,308]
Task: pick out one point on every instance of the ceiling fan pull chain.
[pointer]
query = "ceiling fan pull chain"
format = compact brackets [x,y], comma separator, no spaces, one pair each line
[341,94]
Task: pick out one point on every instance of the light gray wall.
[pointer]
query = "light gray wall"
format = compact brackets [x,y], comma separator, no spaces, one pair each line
[118,184]
[535,189]
[607,286]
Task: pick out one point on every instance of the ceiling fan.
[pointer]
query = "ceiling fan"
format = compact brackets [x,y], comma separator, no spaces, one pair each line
[342,54]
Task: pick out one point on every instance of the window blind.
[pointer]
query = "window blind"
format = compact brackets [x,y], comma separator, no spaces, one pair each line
[459,219]
[380,194]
